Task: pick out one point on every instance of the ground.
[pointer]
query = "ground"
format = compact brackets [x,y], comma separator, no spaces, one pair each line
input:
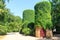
[17,36]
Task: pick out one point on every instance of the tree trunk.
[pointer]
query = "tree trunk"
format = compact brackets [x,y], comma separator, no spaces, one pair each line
[49,33]
[39,32]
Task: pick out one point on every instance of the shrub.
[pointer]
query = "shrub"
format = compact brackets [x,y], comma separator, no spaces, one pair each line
[26,31]
[3,30]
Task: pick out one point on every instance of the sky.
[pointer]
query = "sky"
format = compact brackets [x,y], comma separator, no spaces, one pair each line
[18,6]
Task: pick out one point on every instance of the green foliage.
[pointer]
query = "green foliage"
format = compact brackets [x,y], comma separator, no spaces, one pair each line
[58,14]
[8,22]
[26,31]
[3,30]
[28,20]
[55,12]
[55,1]
[14,24]
[28,15]
[13,27]
[42,14]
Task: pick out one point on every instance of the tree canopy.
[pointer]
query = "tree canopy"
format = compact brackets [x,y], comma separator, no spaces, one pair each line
[28,15]
[43,14]
[8,22]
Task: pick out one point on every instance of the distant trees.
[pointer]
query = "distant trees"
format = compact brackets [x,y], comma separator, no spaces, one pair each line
[8,22]
[14,23]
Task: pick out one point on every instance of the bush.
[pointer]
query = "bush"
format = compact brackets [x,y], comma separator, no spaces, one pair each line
[26,31]
[30,26]
[3,30]
[13,27]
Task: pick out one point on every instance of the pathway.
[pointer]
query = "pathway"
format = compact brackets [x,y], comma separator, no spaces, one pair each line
[17,36]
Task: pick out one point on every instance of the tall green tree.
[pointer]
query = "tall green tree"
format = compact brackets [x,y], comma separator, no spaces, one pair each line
[55,13]
[28,20]
[28,16]
[43,15]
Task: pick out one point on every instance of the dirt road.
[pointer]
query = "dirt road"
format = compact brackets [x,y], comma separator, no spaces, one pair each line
[16,36]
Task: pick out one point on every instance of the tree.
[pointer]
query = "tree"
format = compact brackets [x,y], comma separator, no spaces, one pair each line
[55,14]
[8,21]
[43,15]
[28,20]
[3,11]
